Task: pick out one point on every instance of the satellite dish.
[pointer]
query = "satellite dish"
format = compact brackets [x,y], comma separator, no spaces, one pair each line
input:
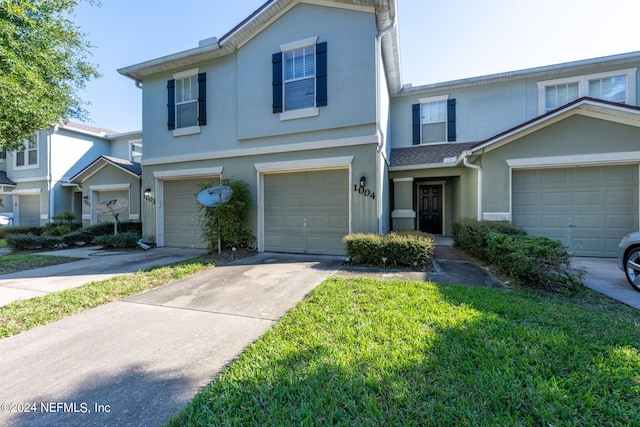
[112,207]
[215,196]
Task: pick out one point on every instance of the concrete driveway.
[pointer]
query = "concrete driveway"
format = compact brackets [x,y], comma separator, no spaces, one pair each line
[139,360]
[604,276]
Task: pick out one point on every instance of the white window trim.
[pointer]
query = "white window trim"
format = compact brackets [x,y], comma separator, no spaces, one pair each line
[191,130]
[428,100]
[133,143]
[583,85]
[303,112]
[299,44]
[26,166]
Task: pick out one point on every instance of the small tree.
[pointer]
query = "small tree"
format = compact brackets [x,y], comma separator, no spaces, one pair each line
[227,222]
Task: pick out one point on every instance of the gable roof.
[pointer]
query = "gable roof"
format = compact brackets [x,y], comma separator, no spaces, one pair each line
[427,156]
[94,167]
[606,110]
[386,15]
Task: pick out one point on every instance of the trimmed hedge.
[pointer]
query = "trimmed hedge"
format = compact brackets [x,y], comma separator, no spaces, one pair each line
[411,249]
[19,229]
[536,262]
[33,241]
[22,239]
[471,234]
[120,240]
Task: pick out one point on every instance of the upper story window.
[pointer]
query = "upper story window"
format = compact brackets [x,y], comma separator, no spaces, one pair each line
[135,151]
[434,120]
[616,86]
[559,95]
[28,157]
[186,102]
[300,79]
[610,89]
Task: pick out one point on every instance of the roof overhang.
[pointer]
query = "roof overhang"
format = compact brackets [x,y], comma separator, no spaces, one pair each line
[385,10]
[589,107]
[95,167]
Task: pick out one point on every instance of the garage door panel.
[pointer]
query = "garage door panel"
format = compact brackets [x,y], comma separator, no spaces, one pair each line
[182,217]
[587,208]
[317,199]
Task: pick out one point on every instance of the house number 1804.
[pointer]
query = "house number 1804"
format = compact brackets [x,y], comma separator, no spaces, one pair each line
[364,191]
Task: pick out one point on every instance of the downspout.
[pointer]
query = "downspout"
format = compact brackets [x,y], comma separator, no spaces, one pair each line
[379,131]
[465,160]
[52,131]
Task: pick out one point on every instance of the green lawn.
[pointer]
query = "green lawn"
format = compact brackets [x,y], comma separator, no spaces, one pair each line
[21,262]
[25,314]
[366,352]
[3,243]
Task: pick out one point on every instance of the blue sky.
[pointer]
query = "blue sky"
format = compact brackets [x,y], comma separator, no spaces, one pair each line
[439,40]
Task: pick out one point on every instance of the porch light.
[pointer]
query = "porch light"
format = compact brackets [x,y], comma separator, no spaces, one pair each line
[85,199]
[147,192]
[363,181]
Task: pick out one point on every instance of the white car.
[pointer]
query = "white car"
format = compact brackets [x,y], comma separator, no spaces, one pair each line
[4,221]
[629,258]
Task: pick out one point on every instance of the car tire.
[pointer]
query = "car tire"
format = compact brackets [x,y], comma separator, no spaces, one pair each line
[632,268]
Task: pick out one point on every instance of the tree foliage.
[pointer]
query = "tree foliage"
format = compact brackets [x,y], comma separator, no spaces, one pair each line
[44,63]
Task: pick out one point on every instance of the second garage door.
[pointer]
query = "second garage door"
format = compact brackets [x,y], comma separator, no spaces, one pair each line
[181,214]
[587,208]
[306,212]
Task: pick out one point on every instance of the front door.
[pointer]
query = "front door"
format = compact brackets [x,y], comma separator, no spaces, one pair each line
[430,200]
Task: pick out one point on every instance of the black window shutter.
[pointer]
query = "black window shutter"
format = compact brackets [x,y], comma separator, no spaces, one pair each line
[171,104]
[415,110]
[451,120]
[321,74]
[202,99]
[277,82]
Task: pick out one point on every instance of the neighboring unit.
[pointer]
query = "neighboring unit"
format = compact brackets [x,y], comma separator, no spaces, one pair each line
[303,100]
[70,168]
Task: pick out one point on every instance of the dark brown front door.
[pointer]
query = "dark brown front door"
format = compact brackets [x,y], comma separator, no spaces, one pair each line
[430,199]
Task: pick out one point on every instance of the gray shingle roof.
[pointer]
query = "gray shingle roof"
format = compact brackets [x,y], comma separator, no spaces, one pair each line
[426,154]
[4,180]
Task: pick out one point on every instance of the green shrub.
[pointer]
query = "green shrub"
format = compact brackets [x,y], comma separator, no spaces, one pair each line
[32,242]
[60,229]
[20,229]
[412,249]
[64,217]
[227,222]
[471,234]
[120,240]
[537,262]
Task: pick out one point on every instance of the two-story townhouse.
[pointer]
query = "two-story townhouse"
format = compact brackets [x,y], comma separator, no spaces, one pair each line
[294,101]
[38,181]
[552,149]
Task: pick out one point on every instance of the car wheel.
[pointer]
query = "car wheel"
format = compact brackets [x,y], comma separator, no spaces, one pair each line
[632,268]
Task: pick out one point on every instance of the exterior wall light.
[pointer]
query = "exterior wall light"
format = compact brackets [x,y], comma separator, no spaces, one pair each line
[147,196]
[363,181]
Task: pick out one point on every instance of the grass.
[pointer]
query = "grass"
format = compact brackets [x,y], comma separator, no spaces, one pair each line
[21,262]
[3,243]
[368,352]
[25,314]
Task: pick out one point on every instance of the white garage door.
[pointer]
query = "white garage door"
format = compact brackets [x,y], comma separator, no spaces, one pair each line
[29,210]
[587,208]
[306,212]
[181,215]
